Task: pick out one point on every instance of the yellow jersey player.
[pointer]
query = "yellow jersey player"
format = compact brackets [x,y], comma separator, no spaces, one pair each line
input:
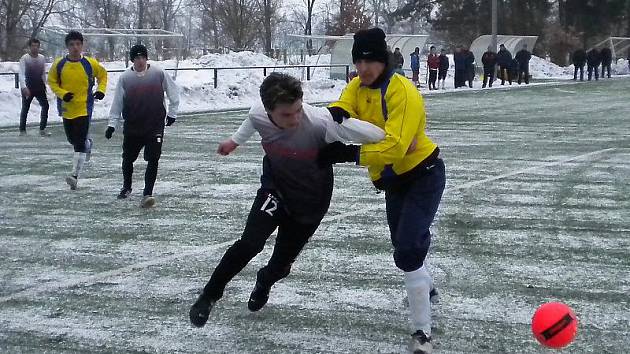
[405,165]
[72,79]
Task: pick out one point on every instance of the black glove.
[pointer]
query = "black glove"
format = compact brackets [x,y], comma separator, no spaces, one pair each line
[338,152]
[109,132]
[338,114]
[169,121]
[68,97]
[98,95]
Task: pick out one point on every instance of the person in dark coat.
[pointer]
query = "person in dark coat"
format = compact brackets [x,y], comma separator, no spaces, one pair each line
[606,55]
[443,69]
[460,67]
[523,57]
[470,67]
[489,61]
[400,61]
[593,60]
[504,60]
[579,60]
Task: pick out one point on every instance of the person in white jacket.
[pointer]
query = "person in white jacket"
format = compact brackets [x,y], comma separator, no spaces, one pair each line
[295,189]
[139,99]
[33,85]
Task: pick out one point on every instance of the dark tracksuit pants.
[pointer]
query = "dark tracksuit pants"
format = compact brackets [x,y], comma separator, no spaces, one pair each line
[442,74]
[523,73]
[26,105]
[410,212]
[433,73]
[606,67]
[460,77]
[591,69]
[132,144]
[77,130]
[488,75]
[266,215]
[505,73]
[581,69]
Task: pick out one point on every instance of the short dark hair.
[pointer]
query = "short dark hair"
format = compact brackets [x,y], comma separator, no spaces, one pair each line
[32,40]
[74,35]
[279,88]
[432,47]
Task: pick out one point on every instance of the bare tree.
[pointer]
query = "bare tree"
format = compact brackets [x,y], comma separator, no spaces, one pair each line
[38,15]
[238,22]
[269,15]
[12,12]
[308,28]
[209,19]
[108,12]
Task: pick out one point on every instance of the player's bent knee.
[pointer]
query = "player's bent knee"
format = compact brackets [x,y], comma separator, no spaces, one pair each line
[409,260]
[248,247]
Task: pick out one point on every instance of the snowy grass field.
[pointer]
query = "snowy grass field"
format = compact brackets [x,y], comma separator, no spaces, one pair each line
[537,208]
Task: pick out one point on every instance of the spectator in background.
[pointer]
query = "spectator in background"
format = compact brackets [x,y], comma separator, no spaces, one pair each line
[606,55]
[579,60]
[443,70]
[522,58]
[470,67]
[489,61]
[400,61]
[32,84]
[460,66]
[433,63]
[415,66]
[504,59]
[593,60]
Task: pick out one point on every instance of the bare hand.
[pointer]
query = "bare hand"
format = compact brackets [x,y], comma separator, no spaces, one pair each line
[413,145]
[26,92]
[226,147]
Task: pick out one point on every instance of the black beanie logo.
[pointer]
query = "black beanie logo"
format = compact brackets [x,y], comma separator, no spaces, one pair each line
[370,45]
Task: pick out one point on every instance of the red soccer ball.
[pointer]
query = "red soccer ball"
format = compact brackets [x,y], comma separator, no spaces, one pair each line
[554,325]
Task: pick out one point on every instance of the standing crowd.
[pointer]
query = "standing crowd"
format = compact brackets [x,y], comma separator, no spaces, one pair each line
[592,59]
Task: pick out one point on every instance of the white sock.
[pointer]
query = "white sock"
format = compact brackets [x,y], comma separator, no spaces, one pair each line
[77,163]
[418,284]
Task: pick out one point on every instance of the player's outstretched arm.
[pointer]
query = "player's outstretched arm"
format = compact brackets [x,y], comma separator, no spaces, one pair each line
[226,147]
[240,137]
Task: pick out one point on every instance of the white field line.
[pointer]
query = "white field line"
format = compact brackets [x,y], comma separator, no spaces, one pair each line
[480,182]
[92,279]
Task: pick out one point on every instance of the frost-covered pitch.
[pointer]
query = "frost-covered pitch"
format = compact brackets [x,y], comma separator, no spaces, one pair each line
[536,209]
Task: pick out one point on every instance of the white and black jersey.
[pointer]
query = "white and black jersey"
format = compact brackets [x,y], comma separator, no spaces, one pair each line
[139,98]
[33,73]
[290,163]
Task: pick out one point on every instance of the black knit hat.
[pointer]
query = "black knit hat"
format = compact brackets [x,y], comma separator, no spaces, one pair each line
[137,50]
[370,45]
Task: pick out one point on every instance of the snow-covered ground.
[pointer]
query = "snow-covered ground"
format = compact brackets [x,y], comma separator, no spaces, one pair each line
[236,88]
[535,210]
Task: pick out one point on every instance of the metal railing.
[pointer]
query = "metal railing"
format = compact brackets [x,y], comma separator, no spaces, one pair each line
[216,70]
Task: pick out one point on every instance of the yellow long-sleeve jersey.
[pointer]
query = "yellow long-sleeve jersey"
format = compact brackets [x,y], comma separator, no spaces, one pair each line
[398,108]
[66,75]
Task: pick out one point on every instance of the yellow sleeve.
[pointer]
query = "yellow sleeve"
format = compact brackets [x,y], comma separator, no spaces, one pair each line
[100,73]
[347,100]
[405,115]
[53,80]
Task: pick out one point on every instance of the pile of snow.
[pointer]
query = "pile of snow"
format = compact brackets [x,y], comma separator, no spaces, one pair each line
[621,67]
[237,88]
[541,68]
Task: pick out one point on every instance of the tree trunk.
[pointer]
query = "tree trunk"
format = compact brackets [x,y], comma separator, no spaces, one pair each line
[267,24]
[140,19]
